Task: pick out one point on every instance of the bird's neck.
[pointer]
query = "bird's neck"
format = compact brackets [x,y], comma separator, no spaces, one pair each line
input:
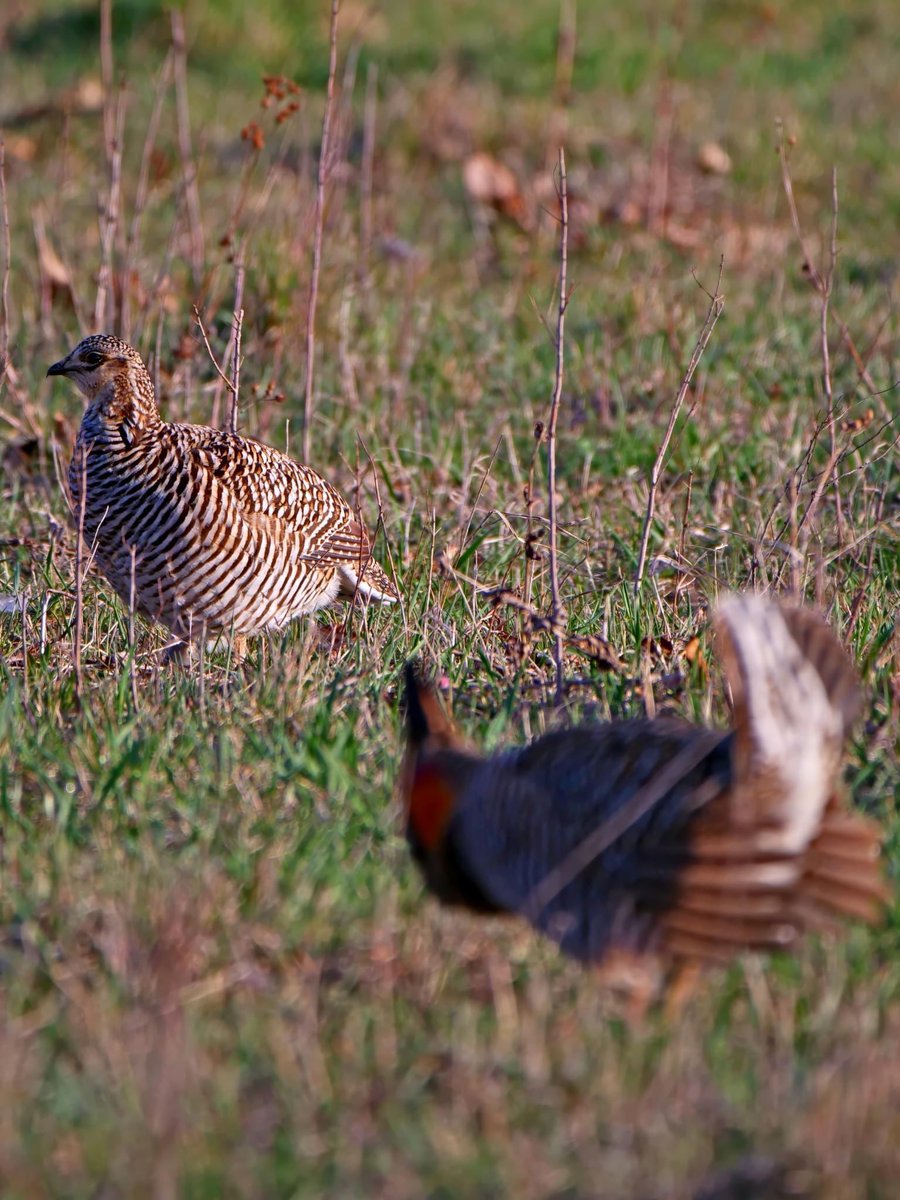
[126,401]
[433,785]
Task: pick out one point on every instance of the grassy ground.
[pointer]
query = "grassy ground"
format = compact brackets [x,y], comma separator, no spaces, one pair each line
[219,974]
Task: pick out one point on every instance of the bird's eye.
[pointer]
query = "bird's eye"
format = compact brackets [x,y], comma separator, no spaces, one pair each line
[92,359]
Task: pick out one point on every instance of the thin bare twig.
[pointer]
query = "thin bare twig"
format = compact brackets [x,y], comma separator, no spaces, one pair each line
[795,558]
[104,305]
[826,356]
[345,355]
[344,120]
[367,171]
[23,613]
[185,149]
[220,371]
[379,524]
[863,589]
[562,79]
[860,361]
[716,304]
[531,538]
[789,487]
[818,282]
[201,674]
[321,180]
[823,285]
[236,333]
[788,185]
[132,242]
[79,580]
[132,591]
[557,613]
[226,370]
[7,253]
[810,511]
[106,72]
[660,156]
[683,576]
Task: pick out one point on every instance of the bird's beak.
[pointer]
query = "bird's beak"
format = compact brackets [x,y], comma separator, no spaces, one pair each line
[58,368]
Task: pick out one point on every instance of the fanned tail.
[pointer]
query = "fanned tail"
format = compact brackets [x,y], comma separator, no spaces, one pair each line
[730,898]
[795,695]
[779,853]
[843,873]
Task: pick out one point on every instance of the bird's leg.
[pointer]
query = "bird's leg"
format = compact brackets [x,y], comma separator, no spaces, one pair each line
[636,976]
[185,653]
[177,653]
[683,984]
[239,647]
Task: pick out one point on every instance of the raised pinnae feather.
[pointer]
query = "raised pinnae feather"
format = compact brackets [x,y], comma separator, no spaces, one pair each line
[428,725]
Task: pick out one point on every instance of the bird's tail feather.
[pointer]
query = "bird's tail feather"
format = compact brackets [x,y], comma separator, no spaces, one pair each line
[780,852]
[842,873]
[795,695]
[726,901]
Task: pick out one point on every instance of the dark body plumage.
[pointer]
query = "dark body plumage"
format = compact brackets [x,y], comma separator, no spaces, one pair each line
[205,531]
[661,836]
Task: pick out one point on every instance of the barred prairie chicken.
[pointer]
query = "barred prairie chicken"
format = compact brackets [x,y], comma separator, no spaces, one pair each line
[205,531]
[661,839]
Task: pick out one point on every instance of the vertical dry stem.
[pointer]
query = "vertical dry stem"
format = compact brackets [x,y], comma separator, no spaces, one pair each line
[104,304]
[562,81]
[188,165]
[823,285]
[367,172]
[557,613]
[716,304]
[237,327]
[79,580]
[132,243]
[232,382]
[4,288]
[531,554]
[132,676]
[682,578]
[660,154]
[317,241]
[106,72]
[23,614]
[826,356]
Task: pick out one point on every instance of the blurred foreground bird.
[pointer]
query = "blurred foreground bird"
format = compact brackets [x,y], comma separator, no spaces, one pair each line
[660,839]
[203,530]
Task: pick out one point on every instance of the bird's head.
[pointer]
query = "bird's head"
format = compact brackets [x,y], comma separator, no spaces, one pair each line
[439,780]
[436,765]
[100,360]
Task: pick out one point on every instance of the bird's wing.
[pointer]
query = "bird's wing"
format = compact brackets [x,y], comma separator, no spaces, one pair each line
[585,831]
[274,492]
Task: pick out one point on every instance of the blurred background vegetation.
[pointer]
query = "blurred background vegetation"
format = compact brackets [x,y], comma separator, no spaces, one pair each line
[219,975]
